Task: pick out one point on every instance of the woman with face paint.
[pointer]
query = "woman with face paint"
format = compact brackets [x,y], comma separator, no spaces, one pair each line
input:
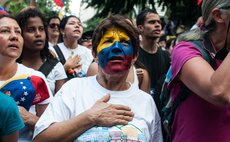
[138,75]
[115,45]
[204,115]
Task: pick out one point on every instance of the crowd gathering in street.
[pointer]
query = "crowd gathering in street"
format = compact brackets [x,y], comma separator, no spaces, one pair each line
[59,83]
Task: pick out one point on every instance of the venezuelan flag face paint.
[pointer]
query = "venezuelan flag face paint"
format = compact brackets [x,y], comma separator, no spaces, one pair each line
[115,51]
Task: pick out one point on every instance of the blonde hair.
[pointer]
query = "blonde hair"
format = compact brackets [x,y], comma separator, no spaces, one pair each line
[208,6]
[209,24]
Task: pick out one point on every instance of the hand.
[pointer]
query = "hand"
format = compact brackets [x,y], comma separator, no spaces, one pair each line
[27,117]
[105,114]
[73,62]
[200,21]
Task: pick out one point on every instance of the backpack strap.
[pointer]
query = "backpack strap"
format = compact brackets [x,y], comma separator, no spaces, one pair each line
[206,50]
[48,65]
[60,54]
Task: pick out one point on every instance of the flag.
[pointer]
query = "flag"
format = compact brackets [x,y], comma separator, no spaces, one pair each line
[60,15]
[59,3]
[3,10]
[199,2]
[26,90]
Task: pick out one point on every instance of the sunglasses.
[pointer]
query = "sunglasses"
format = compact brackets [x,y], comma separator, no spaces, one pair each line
[54,25]
[86,39]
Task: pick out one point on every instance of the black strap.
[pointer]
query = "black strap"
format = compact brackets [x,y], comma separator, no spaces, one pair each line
[47,66]
[206,50]
[60,54]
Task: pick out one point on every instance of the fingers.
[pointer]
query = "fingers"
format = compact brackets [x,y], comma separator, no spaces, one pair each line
[125,113]
[123,119]
[122,107]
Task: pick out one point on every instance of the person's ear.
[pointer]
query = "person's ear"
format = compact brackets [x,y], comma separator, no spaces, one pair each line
[135,58]
[217,15]
[140,28]
[94,54]
[62,31]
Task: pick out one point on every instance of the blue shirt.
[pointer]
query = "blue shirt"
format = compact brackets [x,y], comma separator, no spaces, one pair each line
[10,120]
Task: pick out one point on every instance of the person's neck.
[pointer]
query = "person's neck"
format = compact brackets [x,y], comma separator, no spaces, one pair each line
[32,60]
[149,45]
[218,41]
[113,82]
[8,69]
[53,40]
[70,43]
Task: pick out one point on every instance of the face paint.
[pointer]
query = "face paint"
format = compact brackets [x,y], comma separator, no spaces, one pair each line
[115,51]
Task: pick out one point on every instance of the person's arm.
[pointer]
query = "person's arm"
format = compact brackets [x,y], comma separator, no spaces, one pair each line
[209,84]
[30,119]
[12,137]
[93,69]
[145,84]
[58,85]
[101,114]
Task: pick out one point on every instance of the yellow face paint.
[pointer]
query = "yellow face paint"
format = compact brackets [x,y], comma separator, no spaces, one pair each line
[112,35]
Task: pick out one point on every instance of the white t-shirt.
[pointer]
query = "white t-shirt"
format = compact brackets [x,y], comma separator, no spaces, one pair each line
[25,135]
[83,52]
[80,94]
[57,73]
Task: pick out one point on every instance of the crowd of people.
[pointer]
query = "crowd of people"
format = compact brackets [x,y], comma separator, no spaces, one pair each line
[59,83]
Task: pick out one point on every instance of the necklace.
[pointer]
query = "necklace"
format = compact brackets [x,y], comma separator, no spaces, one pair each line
[71,51]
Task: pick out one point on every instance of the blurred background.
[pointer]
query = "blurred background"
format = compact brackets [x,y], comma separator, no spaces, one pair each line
[176,15]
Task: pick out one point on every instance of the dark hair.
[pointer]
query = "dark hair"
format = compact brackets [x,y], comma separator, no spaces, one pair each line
[22,19]
[162,38]
[53,17]
[140,19]
[170,42]
[8,16]
[118,21]
[64,22]
[85,35]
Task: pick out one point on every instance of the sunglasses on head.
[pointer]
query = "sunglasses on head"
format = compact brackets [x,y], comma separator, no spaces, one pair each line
[54,25]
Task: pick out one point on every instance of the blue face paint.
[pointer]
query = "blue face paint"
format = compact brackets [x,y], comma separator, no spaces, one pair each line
[116,58]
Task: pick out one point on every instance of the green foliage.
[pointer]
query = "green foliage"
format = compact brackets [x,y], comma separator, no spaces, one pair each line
[184,12]
[178,10]
[127,7]
[91,24]
[14,6]
[47,7]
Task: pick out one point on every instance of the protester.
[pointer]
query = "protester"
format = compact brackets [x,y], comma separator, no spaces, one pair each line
[151,55]
[115,45]
[75,58]
[11,122]
[204,115]
[27,86]
[86,39]
[35,53]
[53,30]
[138,75]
